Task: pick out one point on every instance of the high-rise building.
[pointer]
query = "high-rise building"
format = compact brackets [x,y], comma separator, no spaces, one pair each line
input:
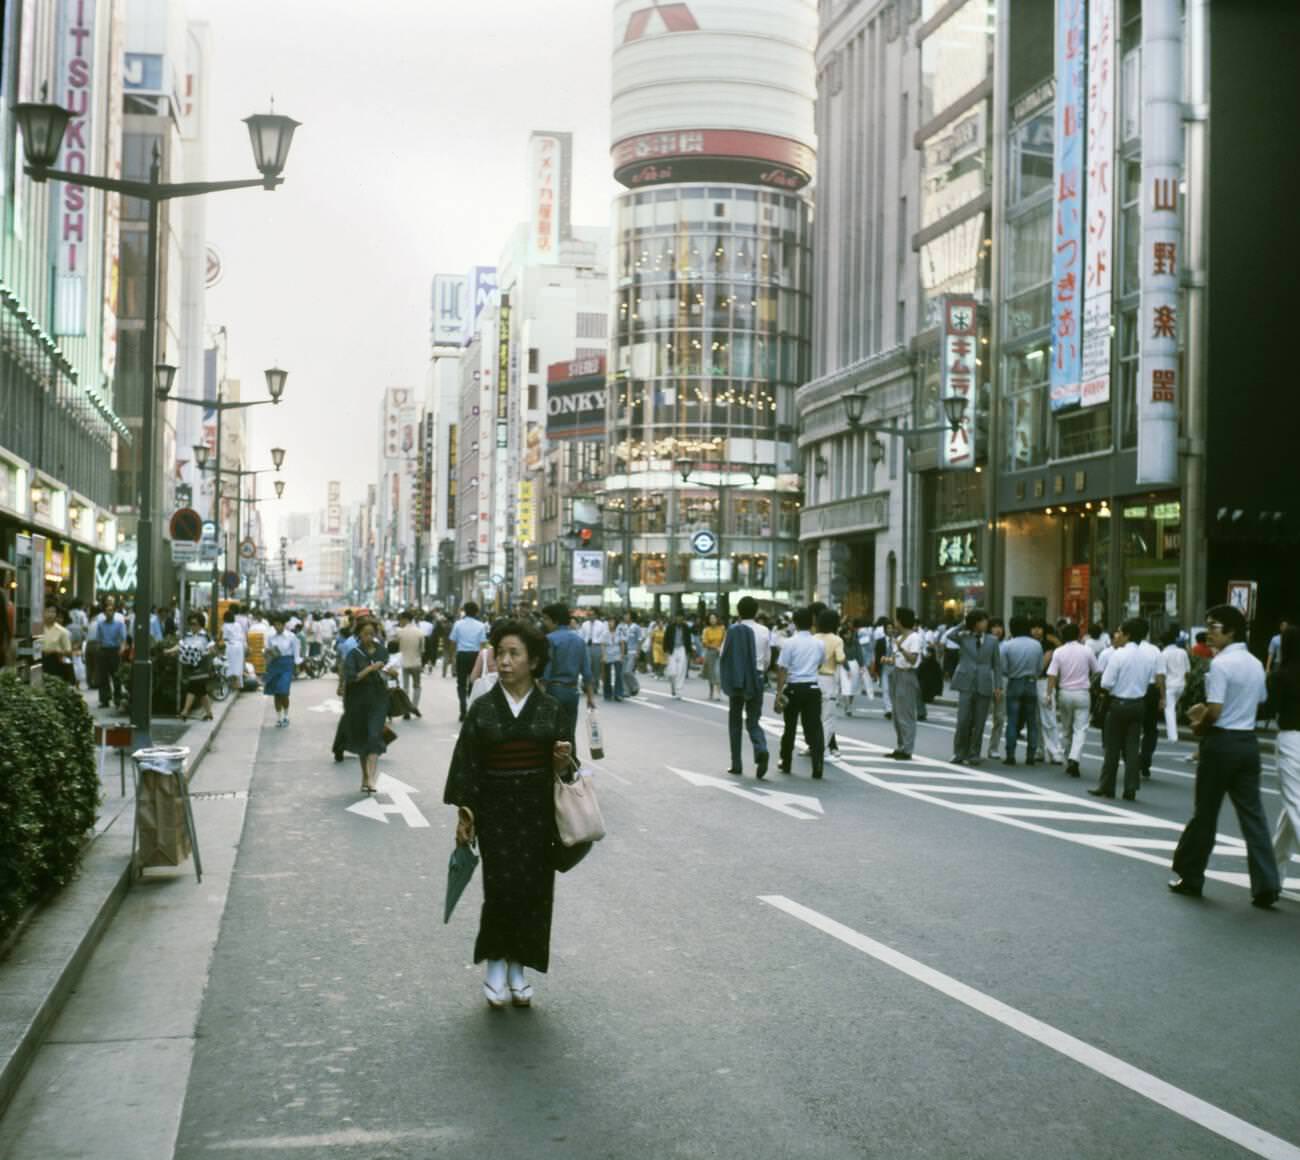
[713,136]
[550,302]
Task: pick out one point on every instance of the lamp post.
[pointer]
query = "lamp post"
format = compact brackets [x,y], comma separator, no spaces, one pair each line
[954,410]
[275,381]
[685,465]
[200,460]
[43,125]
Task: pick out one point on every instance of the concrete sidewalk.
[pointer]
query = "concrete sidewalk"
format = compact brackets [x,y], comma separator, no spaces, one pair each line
[46,959]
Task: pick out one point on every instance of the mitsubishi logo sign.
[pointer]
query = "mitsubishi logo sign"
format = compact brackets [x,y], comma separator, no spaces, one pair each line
[658,19]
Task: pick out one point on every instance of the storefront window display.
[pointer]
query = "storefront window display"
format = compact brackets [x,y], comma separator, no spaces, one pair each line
[1152,544]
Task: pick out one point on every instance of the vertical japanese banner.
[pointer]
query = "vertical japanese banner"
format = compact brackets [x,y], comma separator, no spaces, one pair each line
[957,379]
[1100,203]
[1162,159]
[1068,190]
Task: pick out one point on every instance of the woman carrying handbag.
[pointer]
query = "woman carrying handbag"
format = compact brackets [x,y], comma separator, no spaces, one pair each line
[512,747]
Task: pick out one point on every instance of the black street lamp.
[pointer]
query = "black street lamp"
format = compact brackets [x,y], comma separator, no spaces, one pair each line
[275,380]
[954,412]
[685,466]
[43,125]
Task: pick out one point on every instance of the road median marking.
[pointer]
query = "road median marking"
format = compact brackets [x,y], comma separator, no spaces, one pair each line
[1182,1103]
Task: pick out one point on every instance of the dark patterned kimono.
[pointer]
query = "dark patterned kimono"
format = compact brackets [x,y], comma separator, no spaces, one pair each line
[502,771]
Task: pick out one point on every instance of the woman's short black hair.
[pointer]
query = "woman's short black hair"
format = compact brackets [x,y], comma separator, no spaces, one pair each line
[828,620]
[198,618]
[535,644]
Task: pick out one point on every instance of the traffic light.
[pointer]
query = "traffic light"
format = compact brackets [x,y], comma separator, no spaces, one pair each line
[299,563]
[585,535]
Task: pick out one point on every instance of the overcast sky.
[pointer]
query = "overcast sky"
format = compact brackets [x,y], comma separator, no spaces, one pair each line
[410,161]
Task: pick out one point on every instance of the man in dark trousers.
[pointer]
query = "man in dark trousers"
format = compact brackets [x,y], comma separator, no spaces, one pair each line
[742,672]
[1229,764]
[977,680]
[798,696]
[1129,673]
[468,635]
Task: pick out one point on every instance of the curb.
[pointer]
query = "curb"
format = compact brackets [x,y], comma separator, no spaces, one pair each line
[47,962]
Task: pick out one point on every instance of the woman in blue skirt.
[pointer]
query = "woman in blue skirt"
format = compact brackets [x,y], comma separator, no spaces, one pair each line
[283,654]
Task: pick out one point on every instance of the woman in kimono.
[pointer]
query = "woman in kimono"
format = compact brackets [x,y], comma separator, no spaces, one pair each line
[232,632]
[283,653]
[511,746]
[365,703]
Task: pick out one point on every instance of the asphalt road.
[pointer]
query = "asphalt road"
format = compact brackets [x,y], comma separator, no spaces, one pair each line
[895,961]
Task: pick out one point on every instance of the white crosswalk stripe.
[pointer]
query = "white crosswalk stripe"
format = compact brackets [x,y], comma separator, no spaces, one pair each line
[979,792]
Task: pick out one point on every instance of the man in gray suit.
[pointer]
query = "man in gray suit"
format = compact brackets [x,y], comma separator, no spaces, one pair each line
[978,680]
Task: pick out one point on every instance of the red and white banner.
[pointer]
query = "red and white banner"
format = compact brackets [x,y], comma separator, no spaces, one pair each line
[957,378]
[1100,203]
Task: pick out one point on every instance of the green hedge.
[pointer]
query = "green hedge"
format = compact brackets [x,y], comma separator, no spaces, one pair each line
[49,790]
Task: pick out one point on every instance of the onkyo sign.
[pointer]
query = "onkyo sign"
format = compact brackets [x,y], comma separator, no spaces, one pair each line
[575,399]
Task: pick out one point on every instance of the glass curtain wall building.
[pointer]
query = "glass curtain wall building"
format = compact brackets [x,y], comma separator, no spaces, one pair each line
[712,134]
[710,339]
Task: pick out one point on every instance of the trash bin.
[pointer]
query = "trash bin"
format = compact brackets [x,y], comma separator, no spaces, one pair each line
[164,832]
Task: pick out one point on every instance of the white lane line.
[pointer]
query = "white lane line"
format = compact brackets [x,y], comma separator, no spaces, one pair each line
[1166,1095]
[642,703]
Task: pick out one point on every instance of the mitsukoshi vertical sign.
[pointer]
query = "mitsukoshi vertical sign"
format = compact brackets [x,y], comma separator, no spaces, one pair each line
[72,233]
[1067,209]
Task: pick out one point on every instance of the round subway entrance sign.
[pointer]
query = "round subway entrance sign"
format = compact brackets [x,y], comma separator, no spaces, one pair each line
[704,542]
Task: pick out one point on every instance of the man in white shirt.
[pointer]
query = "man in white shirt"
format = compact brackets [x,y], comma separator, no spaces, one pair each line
[410,646]
[797,693]
[1234,689]
[1127,677]
[596,634]
[1177,665]
[909,651]
[1069,684]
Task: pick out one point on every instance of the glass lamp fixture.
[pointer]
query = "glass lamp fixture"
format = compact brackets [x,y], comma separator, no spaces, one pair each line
[277,457]
[275,380]
[43,125]
[164,377]
[270,134]
[854,406]
[954,409]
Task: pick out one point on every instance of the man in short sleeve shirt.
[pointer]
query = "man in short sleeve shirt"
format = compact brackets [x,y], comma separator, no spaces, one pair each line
[1229,764]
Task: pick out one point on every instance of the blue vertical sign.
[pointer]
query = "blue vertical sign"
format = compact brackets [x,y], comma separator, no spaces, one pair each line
[1067,208]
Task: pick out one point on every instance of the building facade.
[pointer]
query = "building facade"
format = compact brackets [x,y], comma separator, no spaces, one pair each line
[859,524]
[1066,243]
[59,428]
[713,136]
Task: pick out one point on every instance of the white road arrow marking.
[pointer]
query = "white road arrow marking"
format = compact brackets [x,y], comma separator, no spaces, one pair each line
[330,705]
[800,806]
[402,804]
